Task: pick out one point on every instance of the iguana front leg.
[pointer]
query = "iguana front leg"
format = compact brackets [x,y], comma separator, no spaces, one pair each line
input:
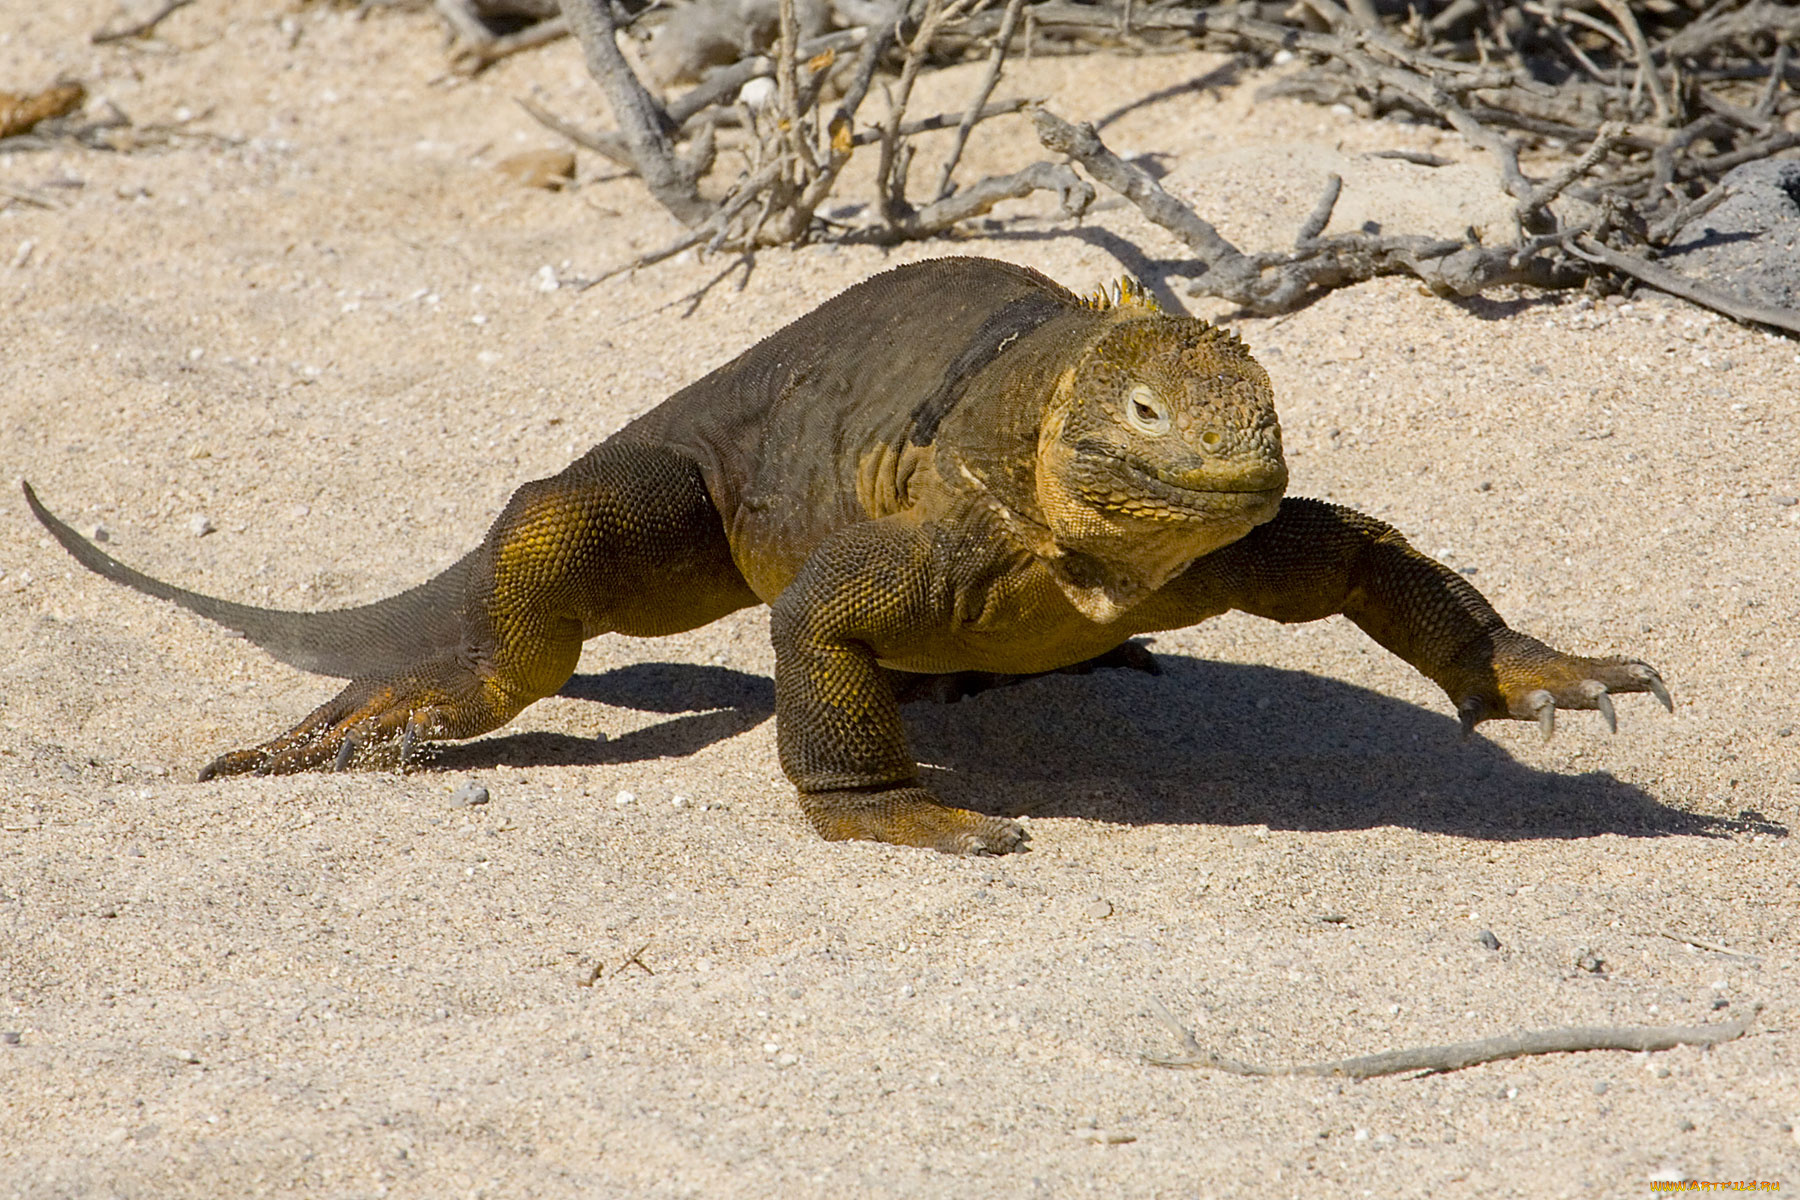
[868,589]
[1316,559]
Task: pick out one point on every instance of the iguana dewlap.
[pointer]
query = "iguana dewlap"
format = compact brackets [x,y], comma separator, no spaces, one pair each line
[955,466]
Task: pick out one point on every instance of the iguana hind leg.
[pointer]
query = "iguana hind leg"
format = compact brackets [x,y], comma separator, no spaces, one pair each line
[625,540]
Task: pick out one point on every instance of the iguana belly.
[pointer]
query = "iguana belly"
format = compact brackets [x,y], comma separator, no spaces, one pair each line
[1022,624]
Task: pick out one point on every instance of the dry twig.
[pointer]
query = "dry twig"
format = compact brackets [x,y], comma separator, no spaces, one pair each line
[978,105]
[1676,284]
[1458,1055]
[142,27]
[476,56]
[642,121]
[1703,944]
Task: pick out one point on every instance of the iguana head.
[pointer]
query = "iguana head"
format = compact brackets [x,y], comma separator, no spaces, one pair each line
[1161,445]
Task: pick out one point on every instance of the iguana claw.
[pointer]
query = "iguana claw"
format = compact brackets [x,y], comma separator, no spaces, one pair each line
[409,741]
[1604,703]
[1529,681]
[1543,705]
[1469,714]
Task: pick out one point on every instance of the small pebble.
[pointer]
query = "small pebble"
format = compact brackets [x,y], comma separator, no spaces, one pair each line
[1486,938]
[12,1037]
[1787,501]
[1098,908]
[200,525]
[757,94]
[102,534]
[1685,1126]
[624,798]
[1592,963]
[1106,1137]
[678,801]
[1600,1088]
[467,794]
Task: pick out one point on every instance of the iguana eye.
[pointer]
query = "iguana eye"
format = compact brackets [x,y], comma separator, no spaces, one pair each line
[1145,413]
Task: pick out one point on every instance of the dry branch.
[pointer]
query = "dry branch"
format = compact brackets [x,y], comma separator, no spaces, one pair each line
[1634,33]
[641,119]
[1073,194]
[1676,284]
[995,61]
[142,27]
[478,55]
[1458,1055]
[1504,77]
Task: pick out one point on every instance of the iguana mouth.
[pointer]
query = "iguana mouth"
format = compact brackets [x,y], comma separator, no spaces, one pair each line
[1110,478]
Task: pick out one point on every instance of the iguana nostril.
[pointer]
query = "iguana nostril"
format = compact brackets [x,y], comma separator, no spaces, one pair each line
[1211,438]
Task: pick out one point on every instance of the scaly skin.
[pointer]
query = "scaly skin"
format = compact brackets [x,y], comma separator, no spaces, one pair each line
[949,477]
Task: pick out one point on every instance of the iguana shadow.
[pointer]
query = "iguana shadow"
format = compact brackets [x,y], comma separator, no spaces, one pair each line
[1206,743]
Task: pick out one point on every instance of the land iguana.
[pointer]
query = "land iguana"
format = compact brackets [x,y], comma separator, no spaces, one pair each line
[955,472]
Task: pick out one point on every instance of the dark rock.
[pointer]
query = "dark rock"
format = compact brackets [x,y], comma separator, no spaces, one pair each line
[1750,243]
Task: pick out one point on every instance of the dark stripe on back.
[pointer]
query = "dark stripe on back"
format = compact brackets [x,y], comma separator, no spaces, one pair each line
[1006,324]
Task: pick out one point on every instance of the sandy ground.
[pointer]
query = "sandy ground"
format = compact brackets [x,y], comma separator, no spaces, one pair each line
[314,323]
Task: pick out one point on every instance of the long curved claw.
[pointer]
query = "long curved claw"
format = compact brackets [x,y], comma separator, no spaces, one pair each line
[345,752]
[1604,703]
[1659,691]
[1542,705]
[1469,714]
[237,762]
[409,741]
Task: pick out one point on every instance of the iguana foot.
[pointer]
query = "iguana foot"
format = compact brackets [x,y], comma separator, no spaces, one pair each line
[1529,681]
[910,816]
[439,699]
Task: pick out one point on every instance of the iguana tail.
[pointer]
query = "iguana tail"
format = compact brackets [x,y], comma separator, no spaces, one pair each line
[374,639]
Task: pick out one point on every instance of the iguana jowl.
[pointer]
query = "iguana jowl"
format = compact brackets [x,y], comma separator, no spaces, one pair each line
[956,469]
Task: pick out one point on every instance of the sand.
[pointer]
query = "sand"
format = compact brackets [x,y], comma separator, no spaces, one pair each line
[314,322]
